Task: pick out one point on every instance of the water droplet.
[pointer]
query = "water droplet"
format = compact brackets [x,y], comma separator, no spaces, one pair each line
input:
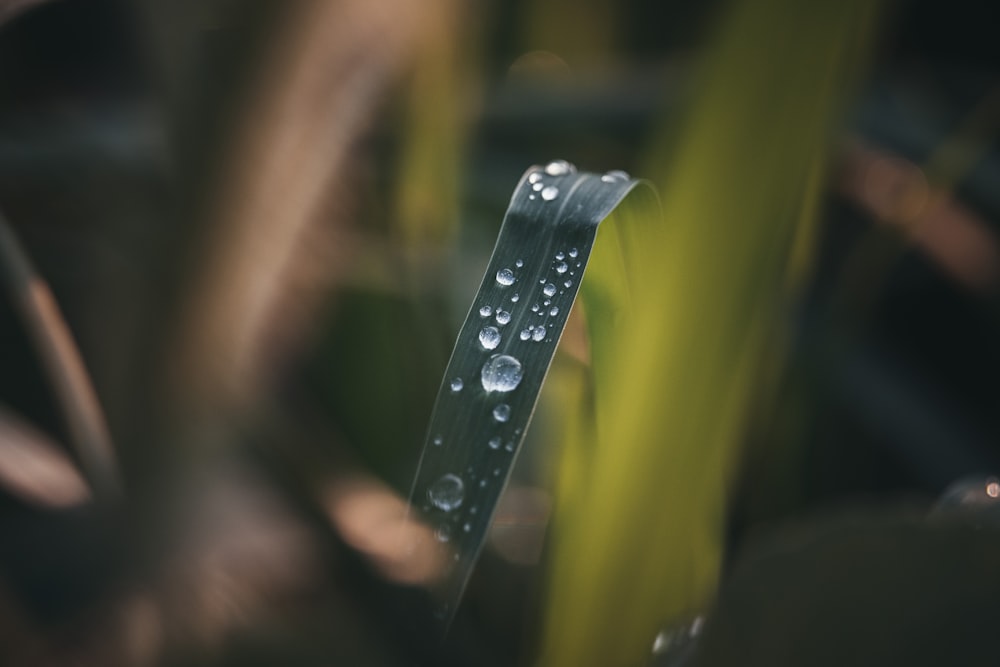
[550,193]
[562,268]
[443,533]
[531,197]
[525,334]
[538,334]
[534,177]
[489,337]
[437,440]
[559,168]
[494,442]
[515,298]
[537,186]
[447,493]
[486,311]
[549,289]
[547,303]
[509,446]
[501,412]
[554,311]
[473,509]
[519,263]
[616,176]
[505,277]
[568,284]
[501,372]
[457,384]
[573,252]
[534,308]
[496,472]
[482,483]
[467,527]
[560,255]
[503,317]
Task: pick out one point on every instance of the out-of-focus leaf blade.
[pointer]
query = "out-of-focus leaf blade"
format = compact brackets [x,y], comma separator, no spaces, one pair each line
[639,542]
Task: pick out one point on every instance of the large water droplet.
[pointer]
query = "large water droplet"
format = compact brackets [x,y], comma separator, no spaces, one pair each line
[562,267]
[501,412]
[501,372]
[489,337]
[573,252]
[616,176]
[457,384]
[549,289]
[505,277]
[503,317]
[538,334]
[447,493]
[486,311]
[559,168]
[550,193]
[494,442]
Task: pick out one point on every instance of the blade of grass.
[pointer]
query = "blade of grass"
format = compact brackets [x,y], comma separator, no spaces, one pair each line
[512,330]
[638,542]
[37,307]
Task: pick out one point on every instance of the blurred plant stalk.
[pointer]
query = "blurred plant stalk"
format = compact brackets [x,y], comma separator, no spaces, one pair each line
[642,489]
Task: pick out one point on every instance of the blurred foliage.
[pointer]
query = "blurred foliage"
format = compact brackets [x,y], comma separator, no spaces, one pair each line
[264,220]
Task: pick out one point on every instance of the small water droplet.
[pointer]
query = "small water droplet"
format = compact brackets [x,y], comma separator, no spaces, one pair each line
[519,263]
[501,372]
[482,483]
[531,197]
[562,268]
[534,308]
[505,277]
[467,527]
[515,298]
[537,186]
[457,384]
[534,177]
[486,311]
[447,493]
[538,334]
[443,533]
[509,446]
[496,472]
[573,252]
[501,412]
[503,317]
[568,284]
[437,440]
[547,303]
[559,168]
[616,176]
[560,255]
[549,289]
[550,193]
[554,311]
[489,337]
[525,334]
[494,442]
[473,509]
